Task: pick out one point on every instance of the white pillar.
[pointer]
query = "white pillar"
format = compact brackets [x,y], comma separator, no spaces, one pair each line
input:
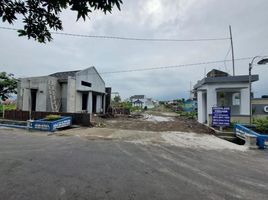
[98,103]
[26,99]
[71,95]
[89,102]
[104,103]
[201,106]
[211,102]
[244,105]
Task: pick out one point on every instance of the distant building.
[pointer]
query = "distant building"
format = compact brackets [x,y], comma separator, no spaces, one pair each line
[221,89]
[69,91]
[141,101]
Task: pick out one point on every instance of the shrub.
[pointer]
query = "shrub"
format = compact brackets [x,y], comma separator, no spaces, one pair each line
[261,124]
[52,117]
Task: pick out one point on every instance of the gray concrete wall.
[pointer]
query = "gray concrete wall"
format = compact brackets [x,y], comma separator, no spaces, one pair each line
[24,97]
[90,75]
[71,95]
[57,88]
[64,97]
[43,100]
[78,101]
[19,96]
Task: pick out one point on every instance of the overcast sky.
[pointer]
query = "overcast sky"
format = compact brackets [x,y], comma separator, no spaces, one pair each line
[178,19]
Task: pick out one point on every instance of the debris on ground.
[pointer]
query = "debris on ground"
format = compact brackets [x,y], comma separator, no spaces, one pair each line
[174,138]
[150,121]
[154,118]
[196,141]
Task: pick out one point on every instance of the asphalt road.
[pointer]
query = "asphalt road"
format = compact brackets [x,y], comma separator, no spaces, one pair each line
[35,166]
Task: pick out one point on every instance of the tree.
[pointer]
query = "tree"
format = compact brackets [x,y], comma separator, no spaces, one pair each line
[117,99]
[40,16]
[8,85]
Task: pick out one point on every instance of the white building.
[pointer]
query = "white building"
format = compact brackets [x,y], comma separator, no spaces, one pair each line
[71,91]
[221,89]
[141,101]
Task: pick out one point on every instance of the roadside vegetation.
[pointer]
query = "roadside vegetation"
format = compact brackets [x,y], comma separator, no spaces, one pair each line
[189,115]
[8,107]
[261,125]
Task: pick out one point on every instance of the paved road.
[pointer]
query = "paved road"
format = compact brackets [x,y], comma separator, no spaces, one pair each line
[35,166]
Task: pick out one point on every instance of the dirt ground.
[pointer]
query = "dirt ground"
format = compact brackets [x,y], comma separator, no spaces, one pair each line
[155,121]
[152,127]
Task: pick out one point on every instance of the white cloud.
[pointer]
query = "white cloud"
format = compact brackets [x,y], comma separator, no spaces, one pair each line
[149,19]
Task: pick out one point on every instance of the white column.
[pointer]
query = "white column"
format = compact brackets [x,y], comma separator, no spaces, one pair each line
[71,95]
[201,107]
[244,105]
[104,103]
[26,99]
[98,104]
[89,102]
[211,101]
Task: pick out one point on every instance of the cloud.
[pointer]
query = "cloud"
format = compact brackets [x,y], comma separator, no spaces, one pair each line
[181,19]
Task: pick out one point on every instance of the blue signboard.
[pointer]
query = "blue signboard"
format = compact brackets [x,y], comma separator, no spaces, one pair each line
[221,116]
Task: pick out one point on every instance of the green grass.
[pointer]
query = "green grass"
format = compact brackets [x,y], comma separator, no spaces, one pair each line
[52,117]
[8,107]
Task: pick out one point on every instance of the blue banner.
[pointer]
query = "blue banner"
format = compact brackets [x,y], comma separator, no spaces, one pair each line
[221,116]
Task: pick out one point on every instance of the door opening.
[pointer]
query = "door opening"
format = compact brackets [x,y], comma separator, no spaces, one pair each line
[94,103]
[33,99]
[84,101]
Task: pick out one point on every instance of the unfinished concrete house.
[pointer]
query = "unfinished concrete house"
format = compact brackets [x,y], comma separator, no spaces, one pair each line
[70,91]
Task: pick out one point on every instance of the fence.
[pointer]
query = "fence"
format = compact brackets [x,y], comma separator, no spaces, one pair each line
[77,118]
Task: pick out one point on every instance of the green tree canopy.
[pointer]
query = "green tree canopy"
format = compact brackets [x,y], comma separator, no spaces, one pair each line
[117,99]
[8,85]
[40,16]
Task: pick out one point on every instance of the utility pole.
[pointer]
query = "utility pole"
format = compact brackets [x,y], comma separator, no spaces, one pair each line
[190,90]
[232,47]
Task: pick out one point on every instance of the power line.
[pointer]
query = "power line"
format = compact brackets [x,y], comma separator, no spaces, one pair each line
[129,38]
[173,66]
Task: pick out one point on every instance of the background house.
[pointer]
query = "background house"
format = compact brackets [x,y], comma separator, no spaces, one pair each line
[141,101]
[70,91]
[221,89]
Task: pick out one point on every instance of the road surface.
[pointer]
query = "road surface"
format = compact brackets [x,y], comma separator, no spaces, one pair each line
[35,166]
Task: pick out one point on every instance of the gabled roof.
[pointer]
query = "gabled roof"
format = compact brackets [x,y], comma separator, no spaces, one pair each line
[138,102]
[92,68]
[64,75]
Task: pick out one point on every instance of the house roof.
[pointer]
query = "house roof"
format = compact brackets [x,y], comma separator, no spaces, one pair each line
[217,73]
[137,97]
[226,79]
[64,75]
[138,102]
